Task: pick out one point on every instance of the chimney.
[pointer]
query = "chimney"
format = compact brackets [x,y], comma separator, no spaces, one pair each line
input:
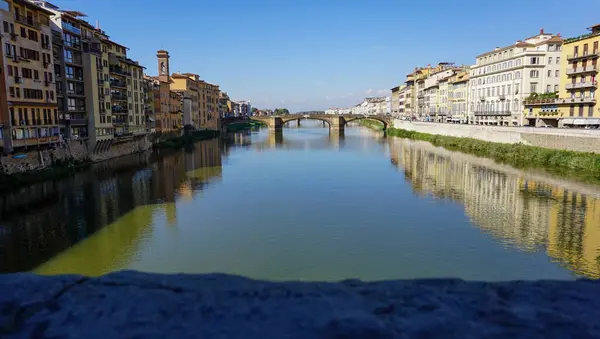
[542,31]
[97,24]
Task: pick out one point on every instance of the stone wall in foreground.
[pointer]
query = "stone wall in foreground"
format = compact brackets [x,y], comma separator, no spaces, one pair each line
[579,140]
[131,304]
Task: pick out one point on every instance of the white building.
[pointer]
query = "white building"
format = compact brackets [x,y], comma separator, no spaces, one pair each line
[501,79]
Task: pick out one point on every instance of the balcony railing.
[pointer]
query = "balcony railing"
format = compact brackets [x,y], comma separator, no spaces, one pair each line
[117,110]
[76,108]
[501,96]
[29,21]
[118,96]
[482,98]
[578,70]
[75,93]
[117,83]
[119,70]
[495,113]
[35,141]
[69,27]
[584,84]
[583,55]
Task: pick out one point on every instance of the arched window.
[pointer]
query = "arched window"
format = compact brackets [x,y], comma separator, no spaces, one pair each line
[510,64]
[498,78]
[479,81]
[493,68]
[517,75]
[503,77]
[509,76]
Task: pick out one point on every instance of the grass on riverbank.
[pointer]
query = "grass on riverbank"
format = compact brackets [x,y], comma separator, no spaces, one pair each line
[372,124]
[243,126]
[577,164]
[181,141]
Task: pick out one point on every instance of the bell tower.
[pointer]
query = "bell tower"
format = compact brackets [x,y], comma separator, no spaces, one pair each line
[163,65]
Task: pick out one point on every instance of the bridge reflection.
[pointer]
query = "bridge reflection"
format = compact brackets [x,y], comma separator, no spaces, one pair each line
[111,208]
[522,211]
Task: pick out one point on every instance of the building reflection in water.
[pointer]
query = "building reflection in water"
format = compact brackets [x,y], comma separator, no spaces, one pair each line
[91,223]
[525,213]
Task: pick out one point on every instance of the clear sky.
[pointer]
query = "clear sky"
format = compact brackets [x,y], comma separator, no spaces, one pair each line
[316,54]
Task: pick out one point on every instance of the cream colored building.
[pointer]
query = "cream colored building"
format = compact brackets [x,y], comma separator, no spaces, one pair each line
[502,78]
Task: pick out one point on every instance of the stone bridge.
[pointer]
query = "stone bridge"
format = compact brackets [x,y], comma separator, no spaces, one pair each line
[335,122]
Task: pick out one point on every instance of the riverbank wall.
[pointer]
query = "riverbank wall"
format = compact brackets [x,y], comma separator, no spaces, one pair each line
[36,165]
[578,140]
[135,304]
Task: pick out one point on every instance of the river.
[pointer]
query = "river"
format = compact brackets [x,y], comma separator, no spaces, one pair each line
[306,205]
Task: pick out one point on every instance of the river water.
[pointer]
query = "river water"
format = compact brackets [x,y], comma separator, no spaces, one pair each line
[306,205]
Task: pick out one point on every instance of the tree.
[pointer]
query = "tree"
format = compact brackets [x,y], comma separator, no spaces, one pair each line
[254,109]
[281,111]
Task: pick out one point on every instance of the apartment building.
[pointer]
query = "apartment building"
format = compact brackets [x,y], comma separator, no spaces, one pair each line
[224,105]
[189,85]
[395,100]
[502,78]
[151,89]
[176,110]
[575,105]
[32,115]
[458,97]
[410,96]
[126,92]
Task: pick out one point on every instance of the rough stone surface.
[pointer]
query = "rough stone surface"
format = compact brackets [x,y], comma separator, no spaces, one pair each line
[140,305]
[579,140]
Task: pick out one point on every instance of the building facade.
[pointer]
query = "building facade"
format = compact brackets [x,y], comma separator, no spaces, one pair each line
[502,78]
[32,115]
[458,98]
[574,104]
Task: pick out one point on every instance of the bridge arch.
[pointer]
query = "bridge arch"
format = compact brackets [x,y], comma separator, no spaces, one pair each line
[386,122]
[285,120]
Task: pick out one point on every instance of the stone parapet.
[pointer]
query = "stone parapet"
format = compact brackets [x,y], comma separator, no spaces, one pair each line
[141,305]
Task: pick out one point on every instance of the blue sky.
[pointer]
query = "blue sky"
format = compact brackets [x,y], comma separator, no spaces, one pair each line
[316,54]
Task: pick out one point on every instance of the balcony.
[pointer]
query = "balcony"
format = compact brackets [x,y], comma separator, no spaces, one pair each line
[500,113]
[74,61]
[74,77]
[77,93]
[118,110]
[120,121]
[582,56]
[100,82]
[579,70]
[119,70]
[117,83]
[69,27]
[78,122]
[584,84]
[34,141]
[120,97]
[29,21]
[482,98]
[501,96]
[76,109]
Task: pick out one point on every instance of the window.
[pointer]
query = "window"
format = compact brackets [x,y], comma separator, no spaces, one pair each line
[534,73]
[590,111]
[517,75]
[533,87]
[9,70]
[555,88]
[549,73]
[516,88]
[68,55]
[518,62]
[557,73]
[548,88]
[550,60]
[32,35]
[508,89]
[26,73]
[557,60]
[69,72]
[23,32]
[36,74]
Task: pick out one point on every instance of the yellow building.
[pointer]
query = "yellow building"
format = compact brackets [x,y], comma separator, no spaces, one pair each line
[458,97]
[189,85]
[576,104]
[31,94]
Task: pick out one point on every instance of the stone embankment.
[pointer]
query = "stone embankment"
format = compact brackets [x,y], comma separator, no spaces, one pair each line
[140,305]
[578,140]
